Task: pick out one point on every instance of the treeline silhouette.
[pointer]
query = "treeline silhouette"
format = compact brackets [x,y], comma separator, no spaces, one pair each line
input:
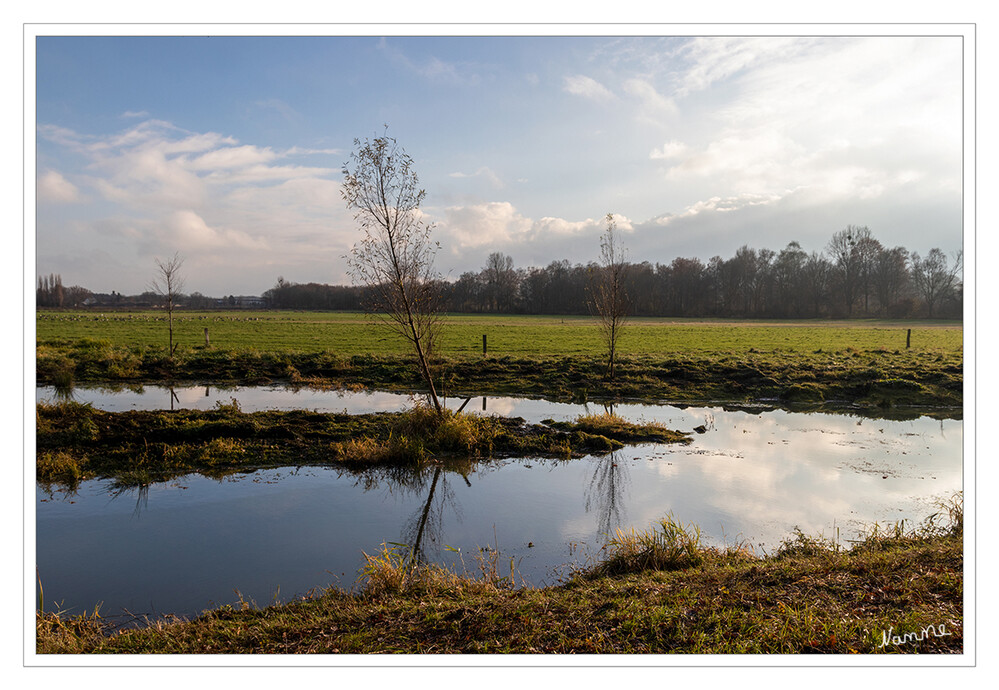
[855,277]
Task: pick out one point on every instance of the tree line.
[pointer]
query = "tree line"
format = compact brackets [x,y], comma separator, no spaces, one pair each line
[51,293]
[855,277]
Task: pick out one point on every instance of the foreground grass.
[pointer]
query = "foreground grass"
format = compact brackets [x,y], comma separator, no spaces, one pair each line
[77,442]
[659,592]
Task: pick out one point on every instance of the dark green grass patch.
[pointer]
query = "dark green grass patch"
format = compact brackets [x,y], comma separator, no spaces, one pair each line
[78,441]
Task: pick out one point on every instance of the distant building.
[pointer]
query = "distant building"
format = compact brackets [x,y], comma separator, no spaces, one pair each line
[241,302]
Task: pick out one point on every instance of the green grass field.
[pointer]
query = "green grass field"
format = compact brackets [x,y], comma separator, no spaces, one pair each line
[863,362]
[518,336]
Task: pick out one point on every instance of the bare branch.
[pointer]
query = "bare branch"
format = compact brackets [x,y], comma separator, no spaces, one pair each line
[608,297]
[168,283]
[395,256]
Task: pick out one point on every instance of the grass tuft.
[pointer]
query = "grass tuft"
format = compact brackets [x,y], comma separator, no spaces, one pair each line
[59,466]
[673,546]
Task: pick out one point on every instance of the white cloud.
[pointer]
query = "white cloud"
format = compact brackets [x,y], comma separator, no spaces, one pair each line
[547,227]
[232,157]
[476,229]
[835,115]
[234,207]
[64,137]
[484,173]
[580,85]
[762,157]
[266,173]
[719,205]
[189,232]
[671,149]
[716,59]
[479,225]
[155,165]
[53,187]
[653,106]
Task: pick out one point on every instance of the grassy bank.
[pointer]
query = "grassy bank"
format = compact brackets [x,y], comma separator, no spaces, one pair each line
[857,362]
[869,378]
[77,442]
[658,592]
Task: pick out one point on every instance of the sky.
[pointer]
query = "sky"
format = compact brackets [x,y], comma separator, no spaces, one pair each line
[228,150]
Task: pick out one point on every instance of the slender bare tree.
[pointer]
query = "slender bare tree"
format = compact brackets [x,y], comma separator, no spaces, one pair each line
[168,284]
[608,297]
[933,278]
[395,256]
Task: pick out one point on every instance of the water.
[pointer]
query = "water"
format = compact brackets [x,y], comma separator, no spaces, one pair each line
[193,543]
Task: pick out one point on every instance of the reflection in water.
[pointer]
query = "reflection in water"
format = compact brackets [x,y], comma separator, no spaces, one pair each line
[428,523]
[606,492]
[283,397]
[64,393]
[755,476]
[141,495]
[422,530]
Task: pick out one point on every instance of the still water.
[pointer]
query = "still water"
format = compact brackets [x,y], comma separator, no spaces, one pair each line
[192,543]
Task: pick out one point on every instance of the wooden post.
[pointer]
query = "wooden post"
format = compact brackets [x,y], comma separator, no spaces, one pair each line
[206,337]
[483,403]
[483,343]
[908,338]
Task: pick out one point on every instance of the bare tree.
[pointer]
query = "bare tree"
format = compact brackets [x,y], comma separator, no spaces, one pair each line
[500,281]
[933,279]
[168,284]
[395,257]
[608,297]
[891,275]
[847,259]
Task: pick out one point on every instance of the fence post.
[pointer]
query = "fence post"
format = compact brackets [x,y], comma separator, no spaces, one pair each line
[483,343]
[908,338]
[206,337]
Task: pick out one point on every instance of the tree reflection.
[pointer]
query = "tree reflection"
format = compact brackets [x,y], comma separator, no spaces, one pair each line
[423,530]
[606,492]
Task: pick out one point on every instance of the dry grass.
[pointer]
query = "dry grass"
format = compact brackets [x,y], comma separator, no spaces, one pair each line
[819,599]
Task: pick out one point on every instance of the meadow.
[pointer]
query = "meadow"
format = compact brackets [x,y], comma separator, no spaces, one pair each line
[555,357]
[350,333]
[653,593]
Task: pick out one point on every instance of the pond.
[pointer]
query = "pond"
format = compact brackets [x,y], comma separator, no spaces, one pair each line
[192,543]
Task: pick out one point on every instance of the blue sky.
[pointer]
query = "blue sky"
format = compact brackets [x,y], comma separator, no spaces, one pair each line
[229,149]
